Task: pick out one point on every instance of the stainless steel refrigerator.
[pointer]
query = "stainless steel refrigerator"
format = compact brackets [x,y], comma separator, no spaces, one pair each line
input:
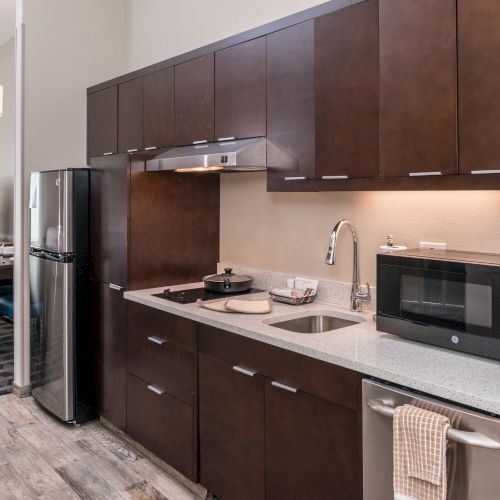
[63,358]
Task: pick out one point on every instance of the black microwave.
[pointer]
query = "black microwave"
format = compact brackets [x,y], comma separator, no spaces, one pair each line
[442,297]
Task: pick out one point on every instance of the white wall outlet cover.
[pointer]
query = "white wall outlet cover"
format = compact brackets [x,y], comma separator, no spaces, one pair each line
[431,245]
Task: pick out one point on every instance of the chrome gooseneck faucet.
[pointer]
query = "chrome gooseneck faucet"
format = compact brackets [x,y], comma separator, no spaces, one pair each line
[357,296]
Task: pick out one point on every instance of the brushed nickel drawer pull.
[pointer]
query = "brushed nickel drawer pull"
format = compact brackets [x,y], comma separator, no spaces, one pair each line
[156,390]
[202,141]
[295,178]
[334,177]
[244,371]
[150,148]
[133,150]
[116,287]
[285,387]
[156,340]
[479,172]
[108,153]
[223,139]
[423,174]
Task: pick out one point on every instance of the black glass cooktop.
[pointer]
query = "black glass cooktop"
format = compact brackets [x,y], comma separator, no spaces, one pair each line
[193,294]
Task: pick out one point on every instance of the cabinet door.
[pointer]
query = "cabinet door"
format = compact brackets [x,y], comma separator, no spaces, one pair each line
[240,90]
[109,316]
[290,101]
[159,109]
[418,87]
[312,448]
[347,92]
[194,100]
[130,115]
[109,190]
[231,409]
[479,96]
[162,424]
[102,124]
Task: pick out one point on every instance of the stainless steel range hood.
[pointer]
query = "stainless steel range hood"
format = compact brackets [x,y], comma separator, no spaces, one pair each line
[242,155]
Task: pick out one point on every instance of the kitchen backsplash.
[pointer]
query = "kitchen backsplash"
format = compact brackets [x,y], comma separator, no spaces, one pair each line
[334,292]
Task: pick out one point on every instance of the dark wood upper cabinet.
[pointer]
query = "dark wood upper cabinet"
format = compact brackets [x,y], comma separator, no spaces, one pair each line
[347,92]
[418,87]
[478,85]
[240,90]
[231,409]
[159,109]
[109,196]
[130,116]
[305,434]
[290,100]
[102,124]
[194,100]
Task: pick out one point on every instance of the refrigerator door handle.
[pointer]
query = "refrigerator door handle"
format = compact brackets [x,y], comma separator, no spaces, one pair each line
[386,408]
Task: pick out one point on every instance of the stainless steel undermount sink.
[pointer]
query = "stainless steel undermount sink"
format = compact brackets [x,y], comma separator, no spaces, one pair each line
[318,323]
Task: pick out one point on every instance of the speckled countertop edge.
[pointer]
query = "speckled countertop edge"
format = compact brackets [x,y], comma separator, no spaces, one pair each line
[458,377]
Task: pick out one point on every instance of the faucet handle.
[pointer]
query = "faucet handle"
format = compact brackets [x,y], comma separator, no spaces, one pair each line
[364,294]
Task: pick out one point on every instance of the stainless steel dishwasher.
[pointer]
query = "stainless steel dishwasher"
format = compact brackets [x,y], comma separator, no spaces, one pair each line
[473,446]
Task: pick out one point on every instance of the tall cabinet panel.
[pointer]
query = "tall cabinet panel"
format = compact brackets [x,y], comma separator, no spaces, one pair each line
[347,92]
[240,90]
[194,100]
[109,193]
[102,124]
[290,100]
[418,87]
[130,116]
[159,109]
[478,85]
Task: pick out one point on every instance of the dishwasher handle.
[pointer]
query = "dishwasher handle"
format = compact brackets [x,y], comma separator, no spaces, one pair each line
[387,408]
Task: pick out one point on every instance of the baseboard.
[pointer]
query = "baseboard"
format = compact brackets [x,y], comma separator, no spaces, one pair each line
[21,391]
[197,489]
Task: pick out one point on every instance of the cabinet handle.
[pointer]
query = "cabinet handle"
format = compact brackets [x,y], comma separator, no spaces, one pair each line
[116,287]
[108,153]
[150,148]
[156,390]
[285,387]
[222,139]
[202,141]
[334,177]
[422,174]
[244,371]
[479,172]
[156,340]
[295,178]
[133,150]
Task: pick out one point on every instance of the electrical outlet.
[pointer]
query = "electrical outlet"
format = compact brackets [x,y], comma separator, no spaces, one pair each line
[431,245]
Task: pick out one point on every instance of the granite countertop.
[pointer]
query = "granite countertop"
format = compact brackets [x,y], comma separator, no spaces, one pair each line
[462,378]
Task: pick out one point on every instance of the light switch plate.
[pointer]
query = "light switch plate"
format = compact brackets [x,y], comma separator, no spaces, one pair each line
[431,245]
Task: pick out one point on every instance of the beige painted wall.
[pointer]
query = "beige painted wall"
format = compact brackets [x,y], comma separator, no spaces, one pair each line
[7,138]
[289,232]
[70,45]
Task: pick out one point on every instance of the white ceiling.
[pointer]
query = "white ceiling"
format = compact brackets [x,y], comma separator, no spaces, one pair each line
[7,20]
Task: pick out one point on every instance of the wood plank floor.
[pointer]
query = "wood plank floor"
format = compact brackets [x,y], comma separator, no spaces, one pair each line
[41,458]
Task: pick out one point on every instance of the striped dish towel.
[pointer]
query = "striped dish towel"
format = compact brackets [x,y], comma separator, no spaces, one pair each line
[419,454]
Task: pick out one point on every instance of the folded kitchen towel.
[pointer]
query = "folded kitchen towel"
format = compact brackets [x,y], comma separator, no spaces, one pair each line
[419,454]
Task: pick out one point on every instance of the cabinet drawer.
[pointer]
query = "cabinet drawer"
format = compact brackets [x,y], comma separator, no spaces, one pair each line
[153,359]
[162,424]
[178,331]
[334,383]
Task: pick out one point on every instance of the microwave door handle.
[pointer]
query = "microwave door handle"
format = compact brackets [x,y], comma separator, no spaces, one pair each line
[386,408]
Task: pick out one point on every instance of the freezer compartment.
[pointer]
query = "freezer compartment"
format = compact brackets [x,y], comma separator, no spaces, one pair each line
[51,204]
[52,366]
[472,468]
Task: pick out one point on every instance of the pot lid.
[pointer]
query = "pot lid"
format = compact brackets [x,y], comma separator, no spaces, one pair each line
[228,275]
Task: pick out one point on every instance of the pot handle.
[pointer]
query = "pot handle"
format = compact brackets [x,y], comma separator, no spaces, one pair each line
[227,283]
[228,271]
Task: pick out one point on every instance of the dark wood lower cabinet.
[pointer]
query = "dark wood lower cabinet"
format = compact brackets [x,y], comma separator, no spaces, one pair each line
[311,448]
[162,424]
[110,307]
[231,413]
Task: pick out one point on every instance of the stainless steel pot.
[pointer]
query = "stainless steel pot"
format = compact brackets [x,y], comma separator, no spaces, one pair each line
[228,282]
